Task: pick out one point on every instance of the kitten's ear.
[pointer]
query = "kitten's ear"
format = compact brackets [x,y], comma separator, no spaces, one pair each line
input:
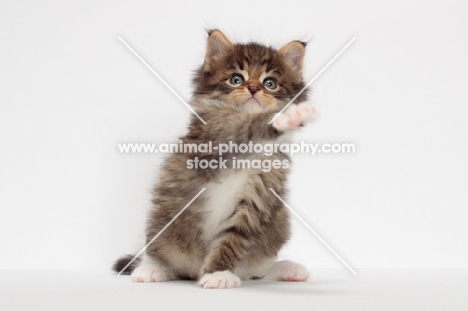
[293,54]
[217,46]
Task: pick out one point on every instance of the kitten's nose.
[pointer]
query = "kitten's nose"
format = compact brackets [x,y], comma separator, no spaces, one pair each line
[253,88]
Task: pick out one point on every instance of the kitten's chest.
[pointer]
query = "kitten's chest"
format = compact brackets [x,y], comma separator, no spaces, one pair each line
[222,199]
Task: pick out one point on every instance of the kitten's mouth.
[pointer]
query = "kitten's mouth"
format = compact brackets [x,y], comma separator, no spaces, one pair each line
[252,101]
[253,105]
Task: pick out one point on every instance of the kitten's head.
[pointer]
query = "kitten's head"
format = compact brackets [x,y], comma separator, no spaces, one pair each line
[248,77]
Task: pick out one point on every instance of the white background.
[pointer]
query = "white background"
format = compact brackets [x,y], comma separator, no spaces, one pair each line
[70,91]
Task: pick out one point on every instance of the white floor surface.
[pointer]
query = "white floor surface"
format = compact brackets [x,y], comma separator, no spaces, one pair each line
[328,289]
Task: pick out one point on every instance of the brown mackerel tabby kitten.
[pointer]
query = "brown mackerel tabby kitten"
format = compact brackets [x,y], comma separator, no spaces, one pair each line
[236,227]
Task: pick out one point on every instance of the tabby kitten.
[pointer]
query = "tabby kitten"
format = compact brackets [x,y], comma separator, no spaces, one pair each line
[236,227]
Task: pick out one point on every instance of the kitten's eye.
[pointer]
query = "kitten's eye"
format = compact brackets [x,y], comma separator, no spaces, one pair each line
[270,83]
[236,79]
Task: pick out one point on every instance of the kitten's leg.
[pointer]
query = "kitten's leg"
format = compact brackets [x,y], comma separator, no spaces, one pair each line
[287,271]
[217,268]
[295,115]
[258,227]
[219,264]
[149,271]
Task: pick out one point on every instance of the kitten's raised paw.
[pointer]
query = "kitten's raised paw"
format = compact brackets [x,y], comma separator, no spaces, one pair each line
[289,271]
[295,115]
[147,274]
[220,279]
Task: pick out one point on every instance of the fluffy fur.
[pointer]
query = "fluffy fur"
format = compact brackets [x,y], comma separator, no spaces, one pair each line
[236,227]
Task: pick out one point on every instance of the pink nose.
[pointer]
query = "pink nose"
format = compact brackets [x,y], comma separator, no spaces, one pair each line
[253,88]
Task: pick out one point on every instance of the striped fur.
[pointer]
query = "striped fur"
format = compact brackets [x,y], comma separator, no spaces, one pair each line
[236,224]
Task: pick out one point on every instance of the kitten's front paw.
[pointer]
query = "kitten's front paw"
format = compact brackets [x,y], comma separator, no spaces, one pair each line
[295,115]
[220,279]
[147,274]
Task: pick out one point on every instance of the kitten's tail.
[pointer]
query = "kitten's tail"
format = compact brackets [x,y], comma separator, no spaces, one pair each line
[122,262]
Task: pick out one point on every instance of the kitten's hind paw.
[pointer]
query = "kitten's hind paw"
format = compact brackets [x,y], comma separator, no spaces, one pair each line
[220,279]
[288,271]
[295,115]
[147,274]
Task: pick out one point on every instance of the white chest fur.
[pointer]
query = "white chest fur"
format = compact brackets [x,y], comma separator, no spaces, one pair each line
[222,199]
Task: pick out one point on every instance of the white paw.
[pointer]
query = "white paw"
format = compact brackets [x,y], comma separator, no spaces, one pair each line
[220,279]
[295,115]
[147,274]
[289,271]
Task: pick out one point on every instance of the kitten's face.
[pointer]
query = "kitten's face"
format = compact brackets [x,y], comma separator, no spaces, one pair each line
[248,77]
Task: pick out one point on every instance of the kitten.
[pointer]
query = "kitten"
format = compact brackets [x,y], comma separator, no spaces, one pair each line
[236,227]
